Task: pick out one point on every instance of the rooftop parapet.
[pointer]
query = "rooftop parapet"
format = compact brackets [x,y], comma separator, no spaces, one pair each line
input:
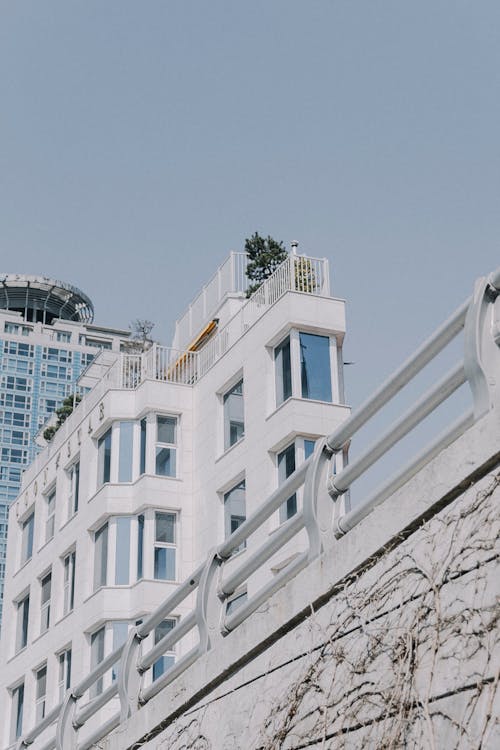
[41,300]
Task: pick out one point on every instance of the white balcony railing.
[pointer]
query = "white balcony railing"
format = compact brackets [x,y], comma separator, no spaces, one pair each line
[170,365]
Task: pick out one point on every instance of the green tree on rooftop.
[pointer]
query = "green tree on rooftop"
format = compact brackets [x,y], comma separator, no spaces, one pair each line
[264,254]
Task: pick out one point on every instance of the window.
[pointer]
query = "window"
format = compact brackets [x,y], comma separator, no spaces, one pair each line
[287,461]
[46,585]
[286,466]
[27,538]
[142,468]
[235,510]
[69,582]
[51,515]
[164,662]
[64,336]
[164,553]
[96,657]
[17,712]
[120,634]
[234,421]
[41,691]
[74,489]
[283,370]
[122,556]
[101,557]
[104,459]
[23,613]
[64,672]
[140,547]
[166,434]
[125,456]
[315,373]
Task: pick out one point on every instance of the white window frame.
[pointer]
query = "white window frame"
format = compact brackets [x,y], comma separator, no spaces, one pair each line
[14,697]
[299,443]
[171,446]
[64,660]
[25,537]
[73,480]
[25,597]
[69,572]
[45,605]
[166,545]
[296,377]
[50,510]
[40,700]
[226,428]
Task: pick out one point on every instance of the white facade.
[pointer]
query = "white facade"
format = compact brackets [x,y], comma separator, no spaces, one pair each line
[166,456]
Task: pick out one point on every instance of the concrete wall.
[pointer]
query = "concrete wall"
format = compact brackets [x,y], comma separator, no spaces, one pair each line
[390,639]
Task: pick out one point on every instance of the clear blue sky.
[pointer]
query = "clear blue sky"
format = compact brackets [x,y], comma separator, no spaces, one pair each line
[142,141]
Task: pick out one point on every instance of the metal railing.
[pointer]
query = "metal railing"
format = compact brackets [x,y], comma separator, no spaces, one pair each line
[168,364]
[321,517]
[229,277]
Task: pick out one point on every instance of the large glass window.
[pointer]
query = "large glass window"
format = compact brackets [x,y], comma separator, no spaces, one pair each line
[101,557]
[234,421]
[23,613]
[165,551]
[96,657]
[104,458]
[64,672]
[69,582]
[27,538]
[125,458]
[286,466]
[283,370]
[315,372]
[46,586]
[51,515]
[122,554]
[17,712]
[41,692]
[166,440]
[74,489]
[164,662]
[234,510]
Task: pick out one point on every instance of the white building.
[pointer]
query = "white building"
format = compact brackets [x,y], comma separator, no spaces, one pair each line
[47,339]
[161,460]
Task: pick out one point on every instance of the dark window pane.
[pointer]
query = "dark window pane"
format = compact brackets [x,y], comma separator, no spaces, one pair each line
[165,527]
[140,546]
[286,467]
[143,447]
[165,461]
[315,367]
[164,563]
[283,371]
